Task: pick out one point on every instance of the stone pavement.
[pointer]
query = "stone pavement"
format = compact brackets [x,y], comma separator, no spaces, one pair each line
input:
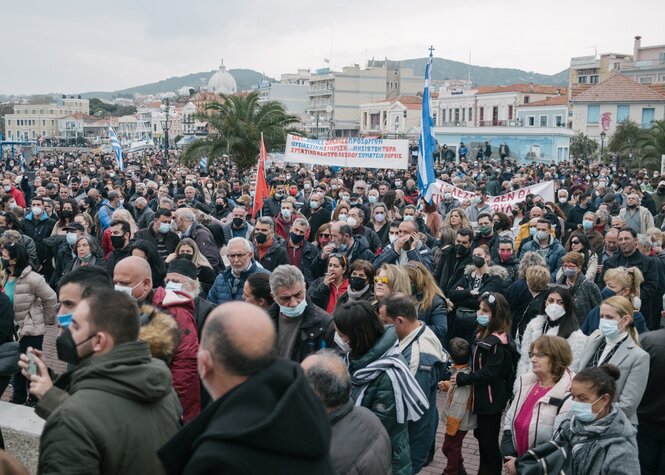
[469,450]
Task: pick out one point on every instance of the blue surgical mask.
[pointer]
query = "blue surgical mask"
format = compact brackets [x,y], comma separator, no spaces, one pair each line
[532,231]
[482,319]
[71,238]
[583,411]
[64,320]
[173,286]
[313,204]
[342,247]
[587,224]
[408,217]
[293,312]
[164,227]
[609,328]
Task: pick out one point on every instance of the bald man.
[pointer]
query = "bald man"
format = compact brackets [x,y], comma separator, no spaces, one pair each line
[360,443]
[264,418]
[133,276]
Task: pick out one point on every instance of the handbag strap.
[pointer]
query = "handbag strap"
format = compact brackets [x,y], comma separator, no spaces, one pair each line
[14,325]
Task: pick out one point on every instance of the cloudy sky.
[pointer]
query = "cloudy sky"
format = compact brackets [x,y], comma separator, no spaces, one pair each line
[75,46]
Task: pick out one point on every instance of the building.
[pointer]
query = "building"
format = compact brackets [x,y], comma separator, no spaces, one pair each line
[335,96]
[222,82]
[551,112]
[72,126]
[648,66]
[293,96]
[396,117]
[585,71]
[455,104]
[602,107]
[40,121]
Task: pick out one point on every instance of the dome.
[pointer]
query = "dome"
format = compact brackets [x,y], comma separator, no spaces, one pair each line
[222,82]
[184,91]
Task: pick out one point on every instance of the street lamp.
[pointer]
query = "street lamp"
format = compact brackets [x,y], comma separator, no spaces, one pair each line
[602,143]
[166,125]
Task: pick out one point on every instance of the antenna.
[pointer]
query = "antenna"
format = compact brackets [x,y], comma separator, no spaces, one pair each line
[469,78]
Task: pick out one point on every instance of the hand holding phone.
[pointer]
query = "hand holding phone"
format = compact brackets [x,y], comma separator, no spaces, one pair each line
[32,364]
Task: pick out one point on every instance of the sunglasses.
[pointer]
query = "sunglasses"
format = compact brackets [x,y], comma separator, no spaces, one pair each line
[575,242]
[324,235]
[381,279]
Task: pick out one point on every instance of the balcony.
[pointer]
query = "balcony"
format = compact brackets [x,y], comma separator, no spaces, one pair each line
[493,123]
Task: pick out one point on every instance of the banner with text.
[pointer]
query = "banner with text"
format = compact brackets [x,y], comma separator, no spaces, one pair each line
[502,203]
[354,152]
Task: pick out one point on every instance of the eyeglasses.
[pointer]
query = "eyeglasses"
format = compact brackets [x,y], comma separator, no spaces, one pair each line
[324,235]
[575,242]
[383,280]
[537,355]
[237,256]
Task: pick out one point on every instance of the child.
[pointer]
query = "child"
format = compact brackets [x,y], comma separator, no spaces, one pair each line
[457,409]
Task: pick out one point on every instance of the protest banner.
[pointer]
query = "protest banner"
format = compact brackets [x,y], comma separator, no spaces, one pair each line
[503,203]
[354,152]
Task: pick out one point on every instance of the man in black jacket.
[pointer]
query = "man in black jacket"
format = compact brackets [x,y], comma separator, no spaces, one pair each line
[317,213]
[453,260]
[39,226]
[269,250]
[355,220]
[300,251]
[159,233]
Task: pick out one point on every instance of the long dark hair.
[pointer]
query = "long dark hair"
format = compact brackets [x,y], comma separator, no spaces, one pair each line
[586,249]
[359,321]
[17,250]
[568,323]
[501,316]
[157,265]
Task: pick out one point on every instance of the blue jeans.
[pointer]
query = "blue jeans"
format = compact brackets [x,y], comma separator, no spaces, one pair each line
[651,446]
[21,385]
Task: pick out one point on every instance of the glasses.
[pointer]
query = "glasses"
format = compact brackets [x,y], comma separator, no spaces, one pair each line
[575,242]
[341,257]
[237,256]
[383,280]
[537,355]
[324,235]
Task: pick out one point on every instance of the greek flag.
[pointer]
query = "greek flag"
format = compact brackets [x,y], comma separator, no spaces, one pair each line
[117,149]
[203,163]
[426,142]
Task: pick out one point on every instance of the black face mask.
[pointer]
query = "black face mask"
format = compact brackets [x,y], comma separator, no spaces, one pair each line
[478,261]
[357,283]
[187,257]
[238,222]
[118,242]
[296,238]
[261,238]
[65,347]
[461,250]
[66,213]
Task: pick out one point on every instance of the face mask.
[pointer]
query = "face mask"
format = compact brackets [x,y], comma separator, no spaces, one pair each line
[371,199]
[607,293]
[478,261]
[485,229]
[261,238]
[563,200]
[477,200]
[118,242]
[344,197]
[343,217]
[333,187]
[86,258]
[5,263]
[532,231]
[409,217]
[294,312]
[173,286]
[587,224]
[482,319]
[278,196]
[286,213]
[392,238]
[296,238]
[126,289]
[344,346]
[342,247]
[398,184]
[541,235]
[209,187]
[609,328]
[65,347]
[379,217]
[357,283]
[307,186]
[505,255]
[313,204]
[7,188]
[64,320]
[37,210]
[71,238]
[186,256]
[461,250]
[66,213]
[569,272]
[164,227]
[237,222]
[555,311]
[351,221]
[583,411]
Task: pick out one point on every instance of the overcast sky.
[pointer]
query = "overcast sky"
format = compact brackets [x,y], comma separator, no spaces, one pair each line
[77,46]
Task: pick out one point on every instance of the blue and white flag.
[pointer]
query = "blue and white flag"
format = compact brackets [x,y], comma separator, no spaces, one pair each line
[204,163]
[426,143]
[117,149]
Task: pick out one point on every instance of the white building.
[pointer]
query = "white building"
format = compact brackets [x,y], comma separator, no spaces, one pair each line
[222,82]
[397,117]
[552,112]
[34,121]
[293,96]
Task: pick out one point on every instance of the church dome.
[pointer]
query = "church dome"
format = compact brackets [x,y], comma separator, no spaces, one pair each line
[222,82]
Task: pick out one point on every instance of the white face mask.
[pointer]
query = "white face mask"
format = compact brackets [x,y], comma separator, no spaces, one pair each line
[393,238]
[555,311]
[344,346]
[173,286]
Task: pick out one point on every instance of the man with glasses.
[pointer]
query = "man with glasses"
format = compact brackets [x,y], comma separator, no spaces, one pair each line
[229,284]
[302,327]
[588,229]
[343,241]
[407,247]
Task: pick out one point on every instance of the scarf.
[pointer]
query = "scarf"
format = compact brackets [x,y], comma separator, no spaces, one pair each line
[410,401]
[353,295]
[584,439]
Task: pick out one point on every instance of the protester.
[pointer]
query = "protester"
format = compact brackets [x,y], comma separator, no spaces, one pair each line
[431,304]
[361,283]
[326,291]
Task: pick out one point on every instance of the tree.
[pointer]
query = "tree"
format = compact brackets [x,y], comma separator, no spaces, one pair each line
[238,123]
[582,147]
[625,143]
[652,144]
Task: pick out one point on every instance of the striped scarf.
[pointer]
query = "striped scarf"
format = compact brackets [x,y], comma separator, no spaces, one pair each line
[410,401]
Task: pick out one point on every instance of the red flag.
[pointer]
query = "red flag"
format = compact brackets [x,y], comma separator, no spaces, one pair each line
[261,191]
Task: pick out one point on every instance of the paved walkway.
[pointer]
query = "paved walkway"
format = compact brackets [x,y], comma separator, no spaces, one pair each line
[470,448]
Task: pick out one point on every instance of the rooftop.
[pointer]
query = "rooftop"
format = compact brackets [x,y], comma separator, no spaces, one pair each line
[619,88]
[522,88]
[550,101]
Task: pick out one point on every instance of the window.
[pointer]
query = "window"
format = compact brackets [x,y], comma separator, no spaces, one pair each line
[648,115]
[582,80]
[593,79]
[623,113]
[543,121]
[9,122]
[526,99]
[646,80]
[558,120]
[593,114]
[482,114]
[443,115]
[463,114]
[530,121]
[661,58]
[510,112]
[470,114]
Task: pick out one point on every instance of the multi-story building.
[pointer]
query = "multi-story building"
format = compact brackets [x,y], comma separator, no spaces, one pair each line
[604,106]
[294,96]
[335,96]
[648,66]
[396,117]
[585,71]
[551,112]
[35,121]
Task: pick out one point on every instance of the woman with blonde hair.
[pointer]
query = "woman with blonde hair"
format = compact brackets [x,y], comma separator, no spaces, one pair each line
[341,212]
[429,299]
[456,219]
[187,249]
[624,282]
[125,216]
[389,280]
[617,343]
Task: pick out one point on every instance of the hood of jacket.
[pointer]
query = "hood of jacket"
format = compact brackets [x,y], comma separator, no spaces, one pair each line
[170,298]
[496,271]
[160,331]
[127,371]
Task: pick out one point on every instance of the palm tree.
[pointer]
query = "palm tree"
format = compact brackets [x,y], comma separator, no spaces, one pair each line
[238,122]
[653,145]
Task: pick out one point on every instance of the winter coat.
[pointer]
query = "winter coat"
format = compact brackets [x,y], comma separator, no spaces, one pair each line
[576,216]
[523,235]
[120,409]
[170,239]
[379,397]
[271,423]
[456,410]
[554,253]
[317,331]
[372,237]
[222,289]
[577,340]
[307,256]
[38,230]
[183,364]
[282,228]
[473,211]
[614,445]
[160,330]
[206,243]
[436,318]
[512,266]
[490,282]
[493,370]
[646,218]
[6,319]
[541,429]
[592,321]
[596,240]
[585,296]
[651,412]
[228,231]
[320,293]
[104,215]
[390,256]
[633,363]
[274,256]
[35,303]
[450,269]
[202,309]
[360,445]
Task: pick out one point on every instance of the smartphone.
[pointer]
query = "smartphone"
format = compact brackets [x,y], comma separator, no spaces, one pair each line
[32,364]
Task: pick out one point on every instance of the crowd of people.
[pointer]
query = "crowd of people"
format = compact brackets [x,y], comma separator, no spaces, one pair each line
[312,335]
